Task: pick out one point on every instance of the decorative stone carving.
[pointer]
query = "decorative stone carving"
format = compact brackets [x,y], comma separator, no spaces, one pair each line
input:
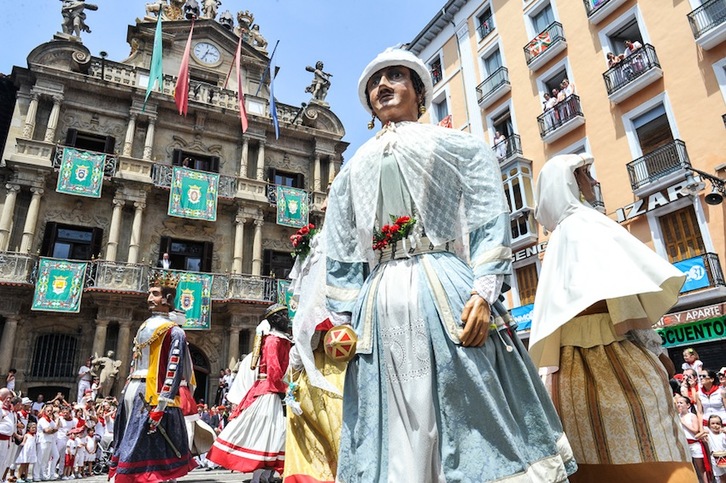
[227,20]
[191,9]
[321,83]
[287,163]
[209,8]
[93,123]
[74,17]
[195,145]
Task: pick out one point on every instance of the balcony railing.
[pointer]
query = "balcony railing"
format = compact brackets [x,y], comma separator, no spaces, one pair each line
[486,26]
[592,6]
[109,168]
[161,177]
[272,195]
[631,68]
[509,148]
[706,17]
[544,41]
[498,78]
[563,112]
[17,268]
[116,276]
[663,161]
[704,271]
[226,286]
[598,204]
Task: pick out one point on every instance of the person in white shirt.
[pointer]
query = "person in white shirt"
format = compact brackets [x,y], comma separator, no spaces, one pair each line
[66,423]
[7,427]
[70,452]
[84,379]
[165,263]
[47,450]
[38,405]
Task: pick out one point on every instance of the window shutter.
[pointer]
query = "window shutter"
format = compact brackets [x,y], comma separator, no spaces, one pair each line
[271,173]
[176,157]
[110,147]
[96,239]
[214,164]
[300,181]
[266,262]
[207,256]
[71,137]
[51,230]
[164,245]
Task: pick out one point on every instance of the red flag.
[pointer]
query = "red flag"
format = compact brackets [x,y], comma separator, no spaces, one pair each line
[240,92]
[181,91]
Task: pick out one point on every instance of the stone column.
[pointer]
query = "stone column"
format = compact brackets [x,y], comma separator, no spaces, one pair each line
[30,117]
[316,172]
[331,171]
[233,346]
[239,231]
[99,338]
[31,220]
[243,158]
[261,162]
[136,232]
[257,248]
[123,352]
[113,233]
[130,129]
[7,344]
[6,219]
[53,119]
[149,142]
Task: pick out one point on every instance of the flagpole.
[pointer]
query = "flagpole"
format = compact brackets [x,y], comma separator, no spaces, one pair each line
[267,69]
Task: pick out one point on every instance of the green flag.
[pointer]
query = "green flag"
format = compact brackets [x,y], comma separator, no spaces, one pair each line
[59,286]
[155,73]
[193,194]
[194,298]
[81,173]
[284,297]
[292,207]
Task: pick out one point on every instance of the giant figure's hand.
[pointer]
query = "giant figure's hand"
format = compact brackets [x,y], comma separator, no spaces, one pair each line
[476,315]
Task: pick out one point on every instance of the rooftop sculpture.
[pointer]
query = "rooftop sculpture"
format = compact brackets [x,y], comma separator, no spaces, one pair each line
[74,17]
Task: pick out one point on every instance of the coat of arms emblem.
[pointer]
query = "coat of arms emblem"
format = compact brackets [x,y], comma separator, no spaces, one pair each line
[194,194]
[59,284]
[187,299]
[292,206]
[81,172]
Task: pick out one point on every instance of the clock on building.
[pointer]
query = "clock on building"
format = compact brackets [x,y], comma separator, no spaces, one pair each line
[207,53]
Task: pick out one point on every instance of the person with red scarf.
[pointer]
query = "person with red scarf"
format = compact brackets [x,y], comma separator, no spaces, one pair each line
[694,435]
[711,396]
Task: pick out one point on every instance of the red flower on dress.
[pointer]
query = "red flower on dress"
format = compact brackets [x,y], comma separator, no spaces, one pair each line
[301,240]
[389,234]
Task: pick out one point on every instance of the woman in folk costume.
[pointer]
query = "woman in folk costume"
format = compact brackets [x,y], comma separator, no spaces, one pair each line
[254,439]
[599,292]
[153,397]
[313,430]
[440,389]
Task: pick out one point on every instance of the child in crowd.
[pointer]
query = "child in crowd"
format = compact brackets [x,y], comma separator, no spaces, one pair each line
[71,448]
[717,445]
[90,456]
[692,361]
[80,452]
[27,455]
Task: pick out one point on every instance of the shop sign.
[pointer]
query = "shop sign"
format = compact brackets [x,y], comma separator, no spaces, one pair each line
[695,269]
[693,333]
[701,313]
[653,201]
[523,316]
[532,251]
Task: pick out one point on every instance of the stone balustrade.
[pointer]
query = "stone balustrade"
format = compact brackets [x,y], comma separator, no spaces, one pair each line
[17,268]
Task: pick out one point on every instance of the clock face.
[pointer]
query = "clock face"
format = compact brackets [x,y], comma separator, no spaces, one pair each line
[207,53]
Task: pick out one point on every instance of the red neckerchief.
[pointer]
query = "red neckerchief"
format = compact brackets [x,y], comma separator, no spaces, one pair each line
[714,388]
[23,413]
[46,417]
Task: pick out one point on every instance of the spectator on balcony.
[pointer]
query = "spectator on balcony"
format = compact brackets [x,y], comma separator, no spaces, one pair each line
[613,59]
[592,335]
[562,110]
[567,87]
[500,145]
[636,62]
[164,262]
[549,109]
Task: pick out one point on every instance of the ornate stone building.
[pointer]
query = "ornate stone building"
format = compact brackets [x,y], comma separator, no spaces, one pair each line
[67,98]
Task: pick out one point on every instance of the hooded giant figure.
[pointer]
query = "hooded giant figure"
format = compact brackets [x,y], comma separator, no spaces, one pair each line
[600,290]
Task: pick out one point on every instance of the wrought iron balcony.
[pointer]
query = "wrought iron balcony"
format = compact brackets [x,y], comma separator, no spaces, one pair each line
[597,10]
[272,195]
[117,276]
[704,271]
[631,74]
[493,87]
[161,177]
[486,26]
[109,168]
[545,46]
[561,119]
[17,268]
[249,287]
[708,23]
[509,148]
[598,204]
[655,165]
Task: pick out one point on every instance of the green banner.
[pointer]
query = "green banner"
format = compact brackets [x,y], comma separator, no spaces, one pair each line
[81,173]
[59,286]
[284,297]
[693,333]
[194,298]
[292,207]
[193,194]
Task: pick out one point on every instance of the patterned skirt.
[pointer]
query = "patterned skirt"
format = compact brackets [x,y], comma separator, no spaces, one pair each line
[148,458]
[617,410]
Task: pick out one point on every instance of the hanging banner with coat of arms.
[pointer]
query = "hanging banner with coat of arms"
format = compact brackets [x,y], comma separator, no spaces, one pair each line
[59,286]
[194,298]
[81,173]
[284,297]
[292,207]
[193,194]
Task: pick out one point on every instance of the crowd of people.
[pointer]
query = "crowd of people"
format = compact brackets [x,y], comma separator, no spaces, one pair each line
[49,440]
[557,105]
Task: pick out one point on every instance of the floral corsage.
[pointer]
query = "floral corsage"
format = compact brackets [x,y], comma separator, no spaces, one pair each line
[301,240]
[388,235]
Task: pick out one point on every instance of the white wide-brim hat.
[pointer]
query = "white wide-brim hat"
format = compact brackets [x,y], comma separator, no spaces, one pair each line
[390,57]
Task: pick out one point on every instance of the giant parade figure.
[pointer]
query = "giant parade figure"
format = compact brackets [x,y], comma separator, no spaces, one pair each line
[150,434]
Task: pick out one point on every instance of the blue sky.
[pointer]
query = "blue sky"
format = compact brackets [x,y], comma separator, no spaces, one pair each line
[344,34]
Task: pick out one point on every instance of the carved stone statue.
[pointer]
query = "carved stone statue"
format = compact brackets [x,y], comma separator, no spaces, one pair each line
[244,19]
[209,8]
[106,369]
[74,16]
[256,38]
[320,84]
[227,20]
[191,9]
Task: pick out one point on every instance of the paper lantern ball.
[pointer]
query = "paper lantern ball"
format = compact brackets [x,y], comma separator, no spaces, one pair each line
[340,343]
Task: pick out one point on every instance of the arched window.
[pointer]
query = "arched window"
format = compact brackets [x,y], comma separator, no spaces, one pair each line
[54,357]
